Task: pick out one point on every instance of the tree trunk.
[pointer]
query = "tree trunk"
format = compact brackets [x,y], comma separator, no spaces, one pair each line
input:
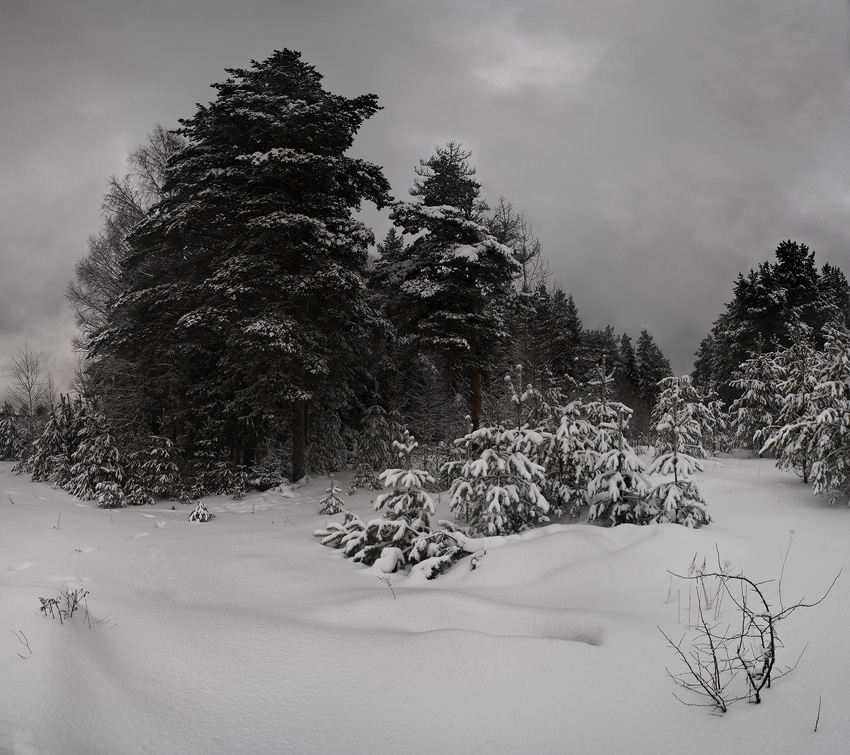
[477,402]
[299,440]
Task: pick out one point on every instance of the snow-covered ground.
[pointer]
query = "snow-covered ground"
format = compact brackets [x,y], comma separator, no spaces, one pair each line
[245,635]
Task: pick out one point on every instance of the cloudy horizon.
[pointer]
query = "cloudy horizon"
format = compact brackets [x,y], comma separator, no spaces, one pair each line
[658,149]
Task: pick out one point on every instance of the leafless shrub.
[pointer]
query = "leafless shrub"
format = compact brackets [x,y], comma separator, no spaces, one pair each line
[66,605]
[731,658]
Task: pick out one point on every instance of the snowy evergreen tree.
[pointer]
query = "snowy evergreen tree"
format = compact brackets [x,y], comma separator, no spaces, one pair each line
[678,500]
[800,366]
[754,412]
[328,451]
[11,439]
[153,471]
[773,294]
[378,434]
[246,279]
[817,434]
[331,503]
[452,284]
[497,488]
[652,366]
[618,483]
[403,536]
[97,471]
[407,499]
[619,487]
[201,513]
[213,475]
[52,458]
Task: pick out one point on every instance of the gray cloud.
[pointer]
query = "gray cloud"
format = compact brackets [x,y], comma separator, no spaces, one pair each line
[659,148]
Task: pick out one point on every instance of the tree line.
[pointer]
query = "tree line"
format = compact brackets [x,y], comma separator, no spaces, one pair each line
[237,328]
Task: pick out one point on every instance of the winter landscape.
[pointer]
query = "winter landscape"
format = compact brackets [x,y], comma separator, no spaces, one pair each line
[352,465]
[244,634]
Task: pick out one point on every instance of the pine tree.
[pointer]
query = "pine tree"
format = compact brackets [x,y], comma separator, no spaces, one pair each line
[455,277]
[652,366]
[246,295]
[764,300]
[678,500]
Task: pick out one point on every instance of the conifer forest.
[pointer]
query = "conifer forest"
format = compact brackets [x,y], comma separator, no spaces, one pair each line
[241,328]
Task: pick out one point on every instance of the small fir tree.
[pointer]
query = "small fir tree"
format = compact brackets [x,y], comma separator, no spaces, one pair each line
[619,487]
[801,365]
[403,537]
[154,472]
[97,471]
[678,500]
[754,413]
[331,503]
[497,488]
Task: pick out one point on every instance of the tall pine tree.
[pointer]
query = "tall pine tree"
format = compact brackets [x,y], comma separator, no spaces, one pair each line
[455,278]
[245,282]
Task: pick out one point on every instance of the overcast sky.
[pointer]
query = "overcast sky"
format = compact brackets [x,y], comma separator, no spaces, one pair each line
[658,147]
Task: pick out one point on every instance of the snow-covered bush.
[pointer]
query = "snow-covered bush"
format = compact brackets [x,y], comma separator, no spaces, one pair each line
[497,488]
[201,513]
[403,537]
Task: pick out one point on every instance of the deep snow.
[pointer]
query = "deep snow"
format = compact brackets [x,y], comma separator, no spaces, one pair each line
[245,635]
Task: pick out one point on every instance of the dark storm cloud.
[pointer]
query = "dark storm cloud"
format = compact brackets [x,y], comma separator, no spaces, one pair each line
[657,147]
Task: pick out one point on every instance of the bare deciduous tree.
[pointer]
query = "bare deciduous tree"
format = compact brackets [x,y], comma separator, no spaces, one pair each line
[512,228]
[98,281]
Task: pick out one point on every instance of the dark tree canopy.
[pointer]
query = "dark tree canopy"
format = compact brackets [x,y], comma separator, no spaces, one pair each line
[765,302]
[245,282]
